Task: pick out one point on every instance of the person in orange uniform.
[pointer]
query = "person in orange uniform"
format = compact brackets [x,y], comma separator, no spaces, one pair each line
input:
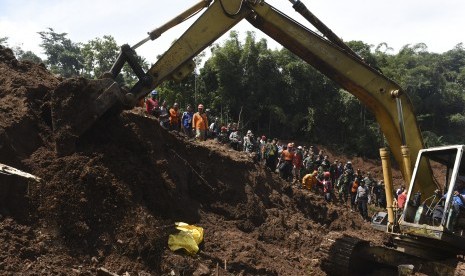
[175,117]
[200,124]
[309,181]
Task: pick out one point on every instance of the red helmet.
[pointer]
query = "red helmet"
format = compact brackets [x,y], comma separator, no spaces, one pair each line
[327,174]
[200,106]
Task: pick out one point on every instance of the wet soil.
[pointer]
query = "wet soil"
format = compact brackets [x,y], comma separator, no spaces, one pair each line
[110,204]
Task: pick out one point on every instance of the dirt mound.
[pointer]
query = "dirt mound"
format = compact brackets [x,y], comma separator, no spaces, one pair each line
[113,202]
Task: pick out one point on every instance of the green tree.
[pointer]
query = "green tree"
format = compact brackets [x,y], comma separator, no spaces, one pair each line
[63,56]
[98,56]
[20,53]
[27,55]
[280,95]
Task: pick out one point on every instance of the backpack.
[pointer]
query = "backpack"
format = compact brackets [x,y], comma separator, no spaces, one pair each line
[354,187]
[271,150]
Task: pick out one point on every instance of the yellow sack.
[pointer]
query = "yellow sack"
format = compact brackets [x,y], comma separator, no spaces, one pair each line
[189,238]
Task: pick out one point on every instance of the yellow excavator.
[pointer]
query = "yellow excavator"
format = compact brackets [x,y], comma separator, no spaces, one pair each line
[425,233]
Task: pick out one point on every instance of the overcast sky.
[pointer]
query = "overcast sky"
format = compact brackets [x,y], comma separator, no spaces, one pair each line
[438,24]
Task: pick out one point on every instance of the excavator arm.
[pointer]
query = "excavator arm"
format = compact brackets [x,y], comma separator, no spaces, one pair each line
[377,92]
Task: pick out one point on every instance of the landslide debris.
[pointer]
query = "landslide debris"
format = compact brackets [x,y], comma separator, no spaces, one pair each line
[111,204]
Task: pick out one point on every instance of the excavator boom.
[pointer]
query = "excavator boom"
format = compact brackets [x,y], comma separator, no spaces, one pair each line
[372,88]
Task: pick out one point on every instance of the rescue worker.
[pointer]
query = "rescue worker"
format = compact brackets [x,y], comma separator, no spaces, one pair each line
[401,199]
[343,184]
[215,128]
[200,124]
[370,183]
[223,136]
[327,186]
[261,148]
[249,142]
[309,181]
[297,165]
[340,169]
[285,167]
[353,194]
[348,167]
[457,202]
[164,116]
[175,117]
[187,121]
[325,163]
[271,154]
[333,171]
[235,139]
[381,194]
[361,199]
[152,104]
[309,162]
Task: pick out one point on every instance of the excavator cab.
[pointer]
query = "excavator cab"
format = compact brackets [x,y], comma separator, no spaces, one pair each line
[435,208]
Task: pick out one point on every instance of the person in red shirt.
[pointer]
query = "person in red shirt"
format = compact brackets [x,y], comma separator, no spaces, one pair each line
[151,103]
[327,186]
[297,162]
[401,199]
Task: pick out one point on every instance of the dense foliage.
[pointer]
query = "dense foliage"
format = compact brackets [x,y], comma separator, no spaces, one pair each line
[276,94]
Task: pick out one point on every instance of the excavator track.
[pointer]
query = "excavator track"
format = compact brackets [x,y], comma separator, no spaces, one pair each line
[338,251]
[346,255]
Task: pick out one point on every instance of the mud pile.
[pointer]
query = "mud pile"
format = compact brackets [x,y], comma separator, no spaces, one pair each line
[113,202]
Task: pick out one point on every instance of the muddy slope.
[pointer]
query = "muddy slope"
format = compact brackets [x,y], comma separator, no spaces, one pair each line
[113,202]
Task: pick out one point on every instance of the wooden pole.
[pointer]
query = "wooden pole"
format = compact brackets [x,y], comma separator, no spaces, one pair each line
[8,170]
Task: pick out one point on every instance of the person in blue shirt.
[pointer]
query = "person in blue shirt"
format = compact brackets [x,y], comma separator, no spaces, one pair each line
[186,121]
[458,198]
[457,201]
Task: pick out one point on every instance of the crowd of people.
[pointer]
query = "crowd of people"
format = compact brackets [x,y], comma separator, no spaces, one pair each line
[307,168]
[190,123]
[338,181]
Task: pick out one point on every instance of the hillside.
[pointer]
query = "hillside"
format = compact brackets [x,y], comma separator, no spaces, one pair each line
[113,202]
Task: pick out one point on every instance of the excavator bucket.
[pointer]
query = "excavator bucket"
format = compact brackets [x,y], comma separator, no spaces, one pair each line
[75,106]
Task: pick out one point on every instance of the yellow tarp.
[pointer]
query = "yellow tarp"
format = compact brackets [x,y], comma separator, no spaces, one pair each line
[188,238]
